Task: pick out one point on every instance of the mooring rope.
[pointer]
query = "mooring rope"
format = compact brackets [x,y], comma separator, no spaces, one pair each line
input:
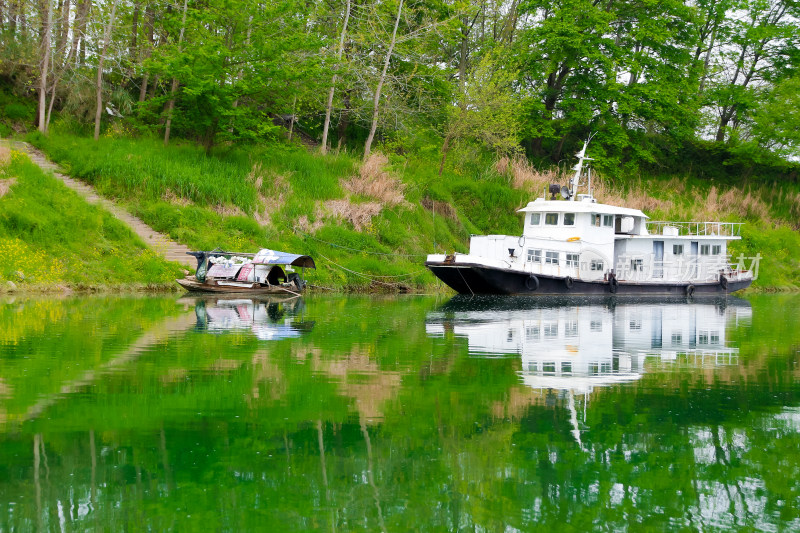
[371,277]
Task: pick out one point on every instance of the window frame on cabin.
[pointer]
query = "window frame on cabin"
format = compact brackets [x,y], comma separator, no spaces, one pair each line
[573,260]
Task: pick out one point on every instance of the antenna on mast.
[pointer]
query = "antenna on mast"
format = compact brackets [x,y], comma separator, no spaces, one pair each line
[578,168]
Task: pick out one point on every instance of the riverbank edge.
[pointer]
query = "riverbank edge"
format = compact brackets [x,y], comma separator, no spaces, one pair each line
[174,288]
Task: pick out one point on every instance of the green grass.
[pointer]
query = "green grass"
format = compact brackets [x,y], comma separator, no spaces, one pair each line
[49,237]
[247,197]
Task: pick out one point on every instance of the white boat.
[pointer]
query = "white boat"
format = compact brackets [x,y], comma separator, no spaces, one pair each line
[579,246]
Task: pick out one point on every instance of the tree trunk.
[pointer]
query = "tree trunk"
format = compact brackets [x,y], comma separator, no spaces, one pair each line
[63,27]
[87,5]
[240,74]
[47,17]
[445,149]
[63,36]
[174,87]
[377,98]
[76,34]
[150,16]
[329,106]
[344,120]
[292,119]
[101,60]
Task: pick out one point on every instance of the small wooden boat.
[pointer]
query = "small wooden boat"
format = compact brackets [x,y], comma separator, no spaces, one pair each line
[265,272]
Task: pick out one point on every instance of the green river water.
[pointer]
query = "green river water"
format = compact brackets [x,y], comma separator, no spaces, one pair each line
[412,413]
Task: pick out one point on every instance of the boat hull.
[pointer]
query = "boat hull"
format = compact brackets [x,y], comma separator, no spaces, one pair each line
[193,285]
[466,278]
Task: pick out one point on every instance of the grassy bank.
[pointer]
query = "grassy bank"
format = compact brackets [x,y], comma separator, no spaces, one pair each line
[50,238]
[370,225]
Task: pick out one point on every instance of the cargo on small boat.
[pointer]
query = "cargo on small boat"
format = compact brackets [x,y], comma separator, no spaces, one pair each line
[265,272]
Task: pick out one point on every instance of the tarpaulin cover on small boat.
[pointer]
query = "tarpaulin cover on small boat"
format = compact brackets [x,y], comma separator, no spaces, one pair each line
[271,257]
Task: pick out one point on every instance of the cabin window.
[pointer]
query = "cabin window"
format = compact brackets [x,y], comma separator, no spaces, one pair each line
[535,219]
[637,265]
[566,367]
[532,333]
[569,219]
[596,220]
[549,368]
[704,249]
[572,260]
[551,219]
[596,265]
[608,220]
[677,339]
[534,256]
[596,325]
[551,258]
[716,249]
[571,329]
[677,249]
[551,330]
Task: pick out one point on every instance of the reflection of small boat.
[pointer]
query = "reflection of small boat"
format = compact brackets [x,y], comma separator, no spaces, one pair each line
[266,318]
[266,272]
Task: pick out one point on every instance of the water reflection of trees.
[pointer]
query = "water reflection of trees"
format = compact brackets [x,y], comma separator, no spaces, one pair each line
[383,427]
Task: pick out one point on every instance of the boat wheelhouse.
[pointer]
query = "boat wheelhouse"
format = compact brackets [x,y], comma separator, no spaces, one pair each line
[577,245]
[265,272]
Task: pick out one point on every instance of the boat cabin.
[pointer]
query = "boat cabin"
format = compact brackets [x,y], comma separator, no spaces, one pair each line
[587,240]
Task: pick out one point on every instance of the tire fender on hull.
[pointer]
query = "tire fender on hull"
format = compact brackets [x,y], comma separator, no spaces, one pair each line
[613,285]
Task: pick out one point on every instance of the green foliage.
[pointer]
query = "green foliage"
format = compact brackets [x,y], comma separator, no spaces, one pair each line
[367,421]
[50,236]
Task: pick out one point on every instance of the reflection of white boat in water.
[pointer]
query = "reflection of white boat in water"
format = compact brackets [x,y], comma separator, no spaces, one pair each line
[576,346]
[266,319]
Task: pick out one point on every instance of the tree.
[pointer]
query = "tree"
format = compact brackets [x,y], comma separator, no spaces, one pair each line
[377,95]
[487,110]
[759,38]
[100,61]
[174,86]
[329,106]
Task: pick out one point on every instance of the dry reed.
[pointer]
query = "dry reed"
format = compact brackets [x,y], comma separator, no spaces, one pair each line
[359,215]
[173,198]
[5,186]
[440,208]
[373,181]
[524,175]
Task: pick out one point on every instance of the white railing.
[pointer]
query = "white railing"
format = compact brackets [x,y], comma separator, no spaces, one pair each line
[674,229]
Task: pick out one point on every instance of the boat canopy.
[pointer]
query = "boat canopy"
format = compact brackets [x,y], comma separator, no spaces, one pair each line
[266,256]
[540,206]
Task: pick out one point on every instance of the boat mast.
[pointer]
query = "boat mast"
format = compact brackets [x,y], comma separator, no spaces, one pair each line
[578,168]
